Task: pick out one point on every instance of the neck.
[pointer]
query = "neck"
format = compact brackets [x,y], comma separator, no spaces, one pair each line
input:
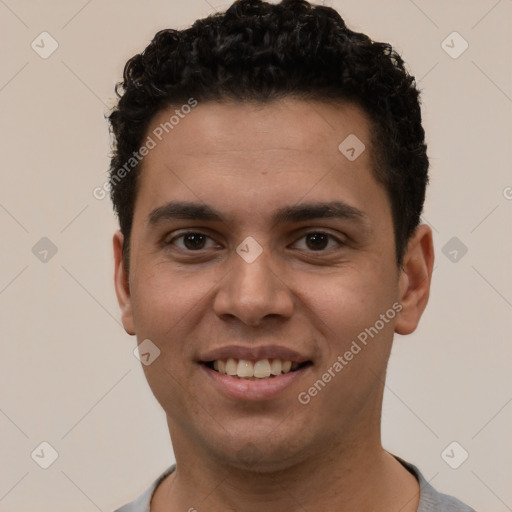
[361,477]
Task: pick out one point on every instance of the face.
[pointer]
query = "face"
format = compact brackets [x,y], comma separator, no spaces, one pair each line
[258,248]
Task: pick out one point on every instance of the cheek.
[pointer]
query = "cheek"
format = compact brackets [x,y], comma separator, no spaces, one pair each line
[166,305]
[161,290]
[162,300]
[356,320]
[350,301]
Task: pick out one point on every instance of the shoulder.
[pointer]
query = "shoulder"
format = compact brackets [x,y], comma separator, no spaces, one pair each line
[432,500]
[142,503]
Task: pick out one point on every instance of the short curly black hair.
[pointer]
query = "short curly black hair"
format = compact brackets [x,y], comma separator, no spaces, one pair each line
[256,51]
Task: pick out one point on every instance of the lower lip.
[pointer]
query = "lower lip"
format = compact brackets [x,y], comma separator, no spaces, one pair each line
[254,390]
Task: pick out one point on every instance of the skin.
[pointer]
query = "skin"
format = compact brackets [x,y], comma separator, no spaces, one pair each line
[246,161]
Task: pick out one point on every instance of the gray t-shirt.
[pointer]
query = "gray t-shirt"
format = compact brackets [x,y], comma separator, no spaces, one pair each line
[430,499]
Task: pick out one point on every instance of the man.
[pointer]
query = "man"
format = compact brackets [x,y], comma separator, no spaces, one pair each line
[269,174]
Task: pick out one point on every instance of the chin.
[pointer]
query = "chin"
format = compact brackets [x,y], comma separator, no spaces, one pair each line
[261,452]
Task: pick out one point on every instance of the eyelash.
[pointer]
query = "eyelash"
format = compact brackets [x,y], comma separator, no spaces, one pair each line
[316,232]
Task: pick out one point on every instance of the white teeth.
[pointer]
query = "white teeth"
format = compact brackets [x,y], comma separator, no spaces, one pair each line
[231,366]
[245,368]
[261,369]
[276,367]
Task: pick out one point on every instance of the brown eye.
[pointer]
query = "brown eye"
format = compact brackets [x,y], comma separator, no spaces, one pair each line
[191,241]
[194,241]
[317,241]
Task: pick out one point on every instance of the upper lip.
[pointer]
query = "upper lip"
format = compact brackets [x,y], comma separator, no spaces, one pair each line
[253,353]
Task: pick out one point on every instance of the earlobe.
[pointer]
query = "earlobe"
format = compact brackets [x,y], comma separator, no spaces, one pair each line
[415,279]
[122,285]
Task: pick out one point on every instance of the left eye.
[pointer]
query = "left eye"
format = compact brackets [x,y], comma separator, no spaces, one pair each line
[318,241]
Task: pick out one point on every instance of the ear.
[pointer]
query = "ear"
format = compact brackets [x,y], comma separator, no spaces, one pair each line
[415,278]
[122,285]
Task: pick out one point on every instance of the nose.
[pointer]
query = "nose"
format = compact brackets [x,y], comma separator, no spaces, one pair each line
[253,291]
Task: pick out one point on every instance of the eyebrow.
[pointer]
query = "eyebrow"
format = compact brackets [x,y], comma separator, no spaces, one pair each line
[305,211]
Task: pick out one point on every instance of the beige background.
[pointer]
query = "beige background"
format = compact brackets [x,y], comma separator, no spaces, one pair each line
[68,374]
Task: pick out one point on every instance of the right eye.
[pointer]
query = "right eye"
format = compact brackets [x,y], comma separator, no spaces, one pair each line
[191,241]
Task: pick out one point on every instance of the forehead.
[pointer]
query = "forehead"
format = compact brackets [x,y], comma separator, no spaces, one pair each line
[248,127]
[259,154]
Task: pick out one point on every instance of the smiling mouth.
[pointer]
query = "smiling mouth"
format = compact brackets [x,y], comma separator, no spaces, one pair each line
[255,370]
